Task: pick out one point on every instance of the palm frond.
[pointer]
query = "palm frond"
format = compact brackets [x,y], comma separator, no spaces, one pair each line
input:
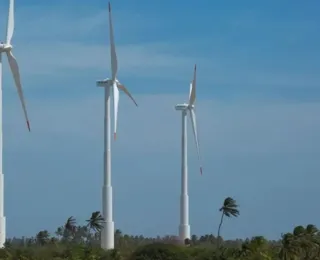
[70,224]
[299,230]
[311,229]
[230,202]
[229,208]
[95,221]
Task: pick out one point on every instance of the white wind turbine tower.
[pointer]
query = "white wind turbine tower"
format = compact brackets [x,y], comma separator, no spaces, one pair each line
[184,227]
[7,48]
[111,86]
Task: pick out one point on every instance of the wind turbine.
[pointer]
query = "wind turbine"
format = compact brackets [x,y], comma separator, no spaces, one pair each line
[7,48]
[184,227]
[110,86]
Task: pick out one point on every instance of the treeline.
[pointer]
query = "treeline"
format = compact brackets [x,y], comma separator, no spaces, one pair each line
[302,243]
[82,242]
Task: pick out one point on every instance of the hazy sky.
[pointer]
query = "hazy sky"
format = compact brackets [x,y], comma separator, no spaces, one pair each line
[258,114]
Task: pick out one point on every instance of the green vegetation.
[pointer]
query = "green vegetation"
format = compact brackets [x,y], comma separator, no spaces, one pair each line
[81,242]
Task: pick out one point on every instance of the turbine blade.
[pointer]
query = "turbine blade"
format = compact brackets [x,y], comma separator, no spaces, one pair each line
[115,108]
[124,89]
[113,54]
[195,133]
[16,76]
[10,25]
[192,95]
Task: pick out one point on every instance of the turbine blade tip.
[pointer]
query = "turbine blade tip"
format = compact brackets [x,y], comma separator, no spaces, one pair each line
[109,7]
[28,125]
[201,170]
[115,136]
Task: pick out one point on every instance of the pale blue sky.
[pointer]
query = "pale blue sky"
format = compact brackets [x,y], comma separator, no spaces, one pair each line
[258,114]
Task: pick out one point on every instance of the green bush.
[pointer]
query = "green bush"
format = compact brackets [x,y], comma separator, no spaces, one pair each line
[201,253]
[160,251]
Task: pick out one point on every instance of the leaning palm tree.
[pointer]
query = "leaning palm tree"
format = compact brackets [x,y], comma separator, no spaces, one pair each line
[95,221]
[70,227]
[228,209]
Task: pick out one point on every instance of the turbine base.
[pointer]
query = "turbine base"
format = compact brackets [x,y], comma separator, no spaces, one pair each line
[107,235]
[184,232]
[2,231]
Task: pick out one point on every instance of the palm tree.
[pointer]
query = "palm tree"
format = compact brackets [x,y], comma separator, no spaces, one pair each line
[43,237]
[258,244]
[258,248]
[290,249]
[70,224]
[59,232]
[300,239]
[82,234]
[311,233]
[194,239]
[309,240]
[70,227]
[245,250]
[228,209]
[118,237]
[95,221]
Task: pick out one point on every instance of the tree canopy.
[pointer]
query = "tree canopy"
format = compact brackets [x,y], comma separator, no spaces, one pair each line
[76,242]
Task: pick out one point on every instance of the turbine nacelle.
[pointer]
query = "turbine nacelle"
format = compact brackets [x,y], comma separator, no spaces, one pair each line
[106,82]
[5,47]
[181,107]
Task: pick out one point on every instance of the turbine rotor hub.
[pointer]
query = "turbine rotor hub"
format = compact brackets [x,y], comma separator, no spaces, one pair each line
[5,47]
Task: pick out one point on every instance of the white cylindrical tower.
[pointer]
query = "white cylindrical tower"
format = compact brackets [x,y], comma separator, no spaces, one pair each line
[184,228]
[2,217]
[107,233]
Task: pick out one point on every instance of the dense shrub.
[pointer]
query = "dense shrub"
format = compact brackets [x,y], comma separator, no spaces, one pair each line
[160,251]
